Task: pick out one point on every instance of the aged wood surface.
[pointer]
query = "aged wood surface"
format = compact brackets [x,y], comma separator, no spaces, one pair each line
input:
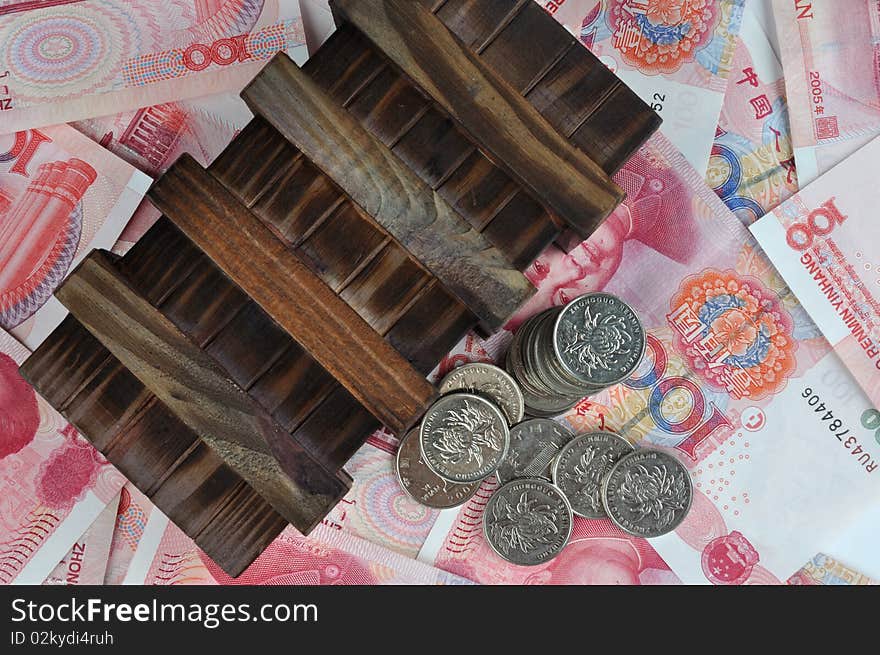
[492,112]
[434,146]
[387,189]
[322,323]
[200,393]
[352,253]
[151,447]
[258,354]
[575,92]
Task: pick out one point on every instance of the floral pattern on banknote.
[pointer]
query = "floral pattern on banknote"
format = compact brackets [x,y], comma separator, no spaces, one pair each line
[524,526]
[54,482]
[130,520]
[377,508]
[70,469]
[77,59]
[659,36]
[734,333]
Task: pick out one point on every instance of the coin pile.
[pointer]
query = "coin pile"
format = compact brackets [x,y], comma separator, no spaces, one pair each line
[645,492]
[565,353]
[463,438]
[547,475]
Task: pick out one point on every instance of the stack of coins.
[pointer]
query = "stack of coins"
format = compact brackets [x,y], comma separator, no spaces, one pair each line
[547,475]
[566,353]
[463,438]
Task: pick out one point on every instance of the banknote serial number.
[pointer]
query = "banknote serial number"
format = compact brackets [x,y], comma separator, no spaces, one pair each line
[840,430]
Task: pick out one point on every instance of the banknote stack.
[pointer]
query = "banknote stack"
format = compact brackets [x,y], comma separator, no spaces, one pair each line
[723,427]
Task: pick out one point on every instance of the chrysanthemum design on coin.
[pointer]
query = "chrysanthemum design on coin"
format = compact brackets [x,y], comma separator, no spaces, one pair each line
[527,521]
[599,339]
[581,467]
[533,446]
[421,483]
[464,437]
[490,381]
[648,493]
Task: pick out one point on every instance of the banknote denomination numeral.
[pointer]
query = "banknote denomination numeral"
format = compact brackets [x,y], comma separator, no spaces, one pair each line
[694,428]
[819,223]
[222,52]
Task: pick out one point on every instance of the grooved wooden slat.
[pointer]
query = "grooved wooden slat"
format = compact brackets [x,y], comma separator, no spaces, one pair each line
[149,445]
[387,190]
[498,118]
[200,393]
[327,328]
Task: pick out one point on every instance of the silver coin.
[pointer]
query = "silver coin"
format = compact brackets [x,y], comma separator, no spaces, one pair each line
[648,493]
[421,483]
[464,437]
[599,339]
[533,446]
[490,381]
[548,408]
[540,400]
[527,521]
[537,358]
[543,404]
[516,364]
[581,467]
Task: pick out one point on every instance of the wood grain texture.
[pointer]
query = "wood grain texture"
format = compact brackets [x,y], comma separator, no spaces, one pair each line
[496,115]
[323,324]
[575,92]
[387,190]
[150,446]
[200,393]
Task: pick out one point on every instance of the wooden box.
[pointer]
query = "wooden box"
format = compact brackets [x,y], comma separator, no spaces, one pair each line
[294,295]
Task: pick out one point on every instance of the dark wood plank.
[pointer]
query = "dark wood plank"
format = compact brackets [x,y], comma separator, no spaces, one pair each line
[200,393]
[496,115]
[548,42]
[430,328]
[329,330]
[241,531]
[562,79]
[336,429]
[152,448]
[388,191]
